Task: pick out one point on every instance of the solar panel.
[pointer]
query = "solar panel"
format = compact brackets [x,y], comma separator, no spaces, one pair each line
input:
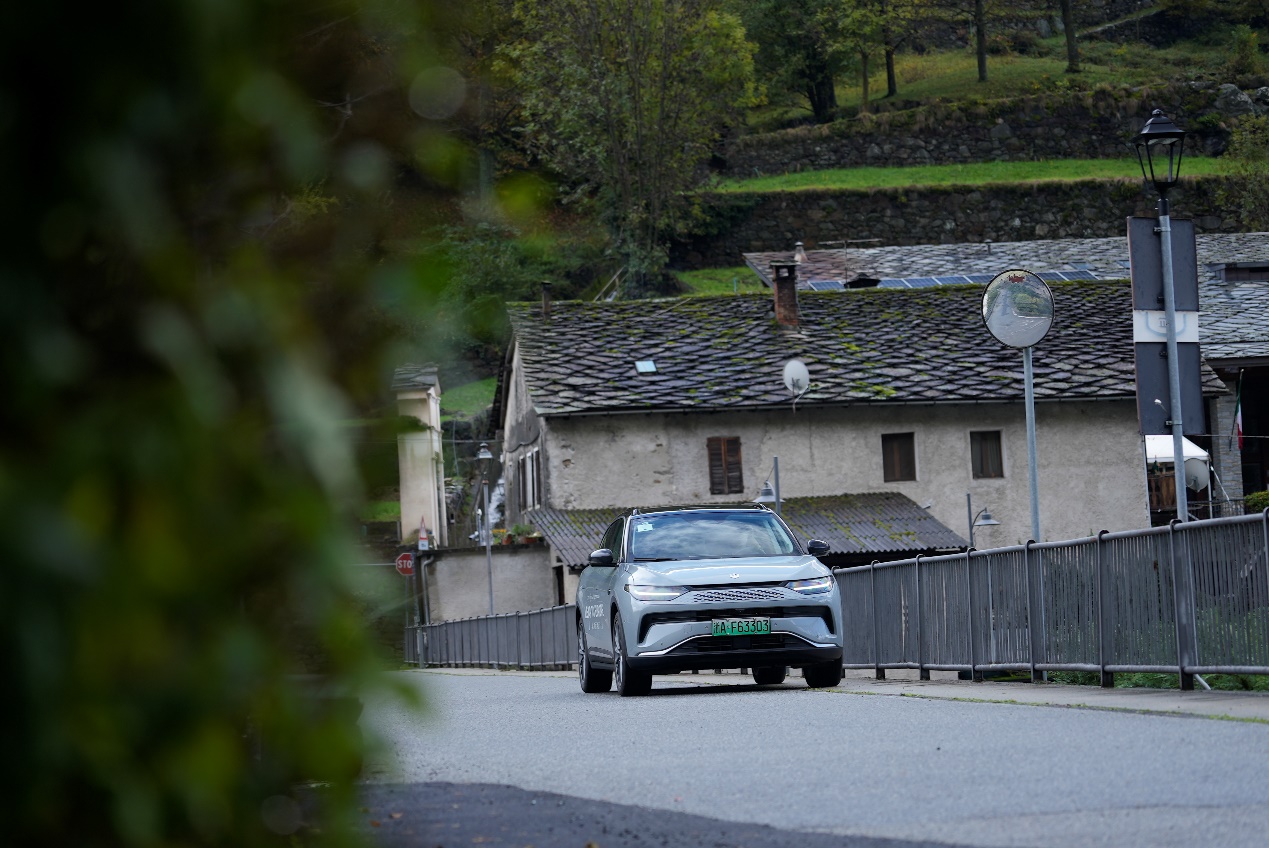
[921,282]
[891,283]
[981,278]
[1050,276]
[950,281]
[827,285]
[1079,275]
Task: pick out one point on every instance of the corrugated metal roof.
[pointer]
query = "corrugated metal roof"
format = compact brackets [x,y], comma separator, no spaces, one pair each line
[872,523]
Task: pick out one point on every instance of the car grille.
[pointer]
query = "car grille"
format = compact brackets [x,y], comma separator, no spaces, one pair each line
[723,644]
[661,617]
[716,596]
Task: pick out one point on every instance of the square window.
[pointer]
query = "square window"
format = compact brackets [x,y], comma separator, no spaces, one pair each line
[724,465]
[985,454]
[898,456]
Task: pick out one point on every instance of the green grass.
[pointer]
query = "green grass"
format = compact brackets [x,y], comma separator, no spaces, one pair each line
[952,76]
[979,173]
[381,511]
[708,281]
[468,399]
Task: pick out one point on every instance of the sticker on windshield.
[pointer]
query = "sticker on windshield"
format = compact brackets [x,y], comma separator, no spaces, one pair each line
[643,528]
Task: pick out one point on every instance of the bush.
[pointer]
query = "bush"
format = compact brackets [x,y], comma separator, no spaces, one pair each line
[1256,502]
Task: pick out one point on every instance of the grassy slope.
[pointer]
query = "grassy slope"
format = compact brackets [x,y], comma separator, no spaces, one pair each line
[952,76]
[980,173]
[468,399]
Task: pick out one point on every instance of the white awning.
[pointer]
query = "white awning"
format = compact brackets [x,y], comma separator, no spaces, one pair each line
[1159,449]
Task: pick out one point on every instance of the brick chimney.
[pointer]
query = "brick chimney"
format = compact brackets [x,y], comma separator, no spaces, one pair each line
[546,302]
[784,281]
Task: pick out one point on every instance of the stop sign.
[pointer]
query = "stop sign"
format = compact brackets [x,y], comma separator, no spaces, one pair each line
[405,564]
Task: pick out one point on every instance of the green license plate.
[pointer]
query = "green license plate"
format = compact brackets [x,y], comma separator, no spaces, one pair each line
[741,626]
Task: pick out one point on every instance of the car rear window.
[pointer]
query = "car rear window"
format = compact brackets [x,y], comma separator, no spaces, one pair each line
[709,535]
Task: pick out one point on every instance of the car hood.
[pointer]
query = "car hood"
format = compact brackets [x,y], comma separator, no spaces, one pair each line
[737,571]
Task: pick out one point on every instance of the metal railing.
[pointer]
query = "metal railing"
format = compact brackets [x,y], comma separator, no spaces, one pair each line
[541,639]
[1190,598]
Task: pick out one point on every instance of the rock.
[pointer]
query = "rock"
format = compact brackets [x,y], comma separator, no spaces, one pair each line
[1260,99]
[1232,101]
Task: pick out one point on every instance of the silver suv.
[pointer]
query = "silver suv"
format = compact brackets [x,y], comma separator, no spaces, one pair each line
[681,588]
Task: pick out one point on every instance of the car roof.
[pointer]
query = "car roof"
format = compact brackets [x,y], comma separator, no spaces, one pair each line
[718,507]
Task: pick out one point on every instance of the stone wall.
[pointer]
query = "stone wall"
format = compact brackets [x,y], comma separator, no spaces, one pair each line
[1097,124]
[746,223]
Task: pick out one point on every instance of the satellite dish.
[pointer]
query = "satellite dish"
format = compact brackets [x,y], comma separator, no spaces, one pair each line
[797,379]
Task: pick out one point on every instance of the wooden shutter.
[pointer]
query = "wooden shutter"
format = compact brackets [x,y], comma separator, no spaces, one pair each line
[725,477]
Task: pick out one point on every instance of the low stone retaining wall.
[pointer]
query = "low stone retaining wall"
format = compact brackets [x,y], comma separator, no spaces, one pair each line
[1097,124]
[746,223]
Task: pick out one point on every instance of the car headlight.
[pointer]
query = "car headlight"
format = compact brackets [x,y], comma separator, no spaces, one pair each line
[814,586]
[654,593]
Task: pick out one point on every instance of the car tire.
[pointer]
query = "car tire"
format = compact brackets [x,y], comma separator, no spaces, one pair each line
[770,675]
[592,679]
[629,681]
[823,675]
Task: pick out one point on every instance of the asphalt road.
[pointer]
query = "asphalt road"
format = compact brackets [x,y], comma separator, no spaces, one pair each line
[737,761]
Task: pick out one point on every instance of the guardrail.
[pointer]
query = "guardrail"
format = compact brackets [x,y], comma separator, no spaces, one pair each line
[541,639]
[1190,598]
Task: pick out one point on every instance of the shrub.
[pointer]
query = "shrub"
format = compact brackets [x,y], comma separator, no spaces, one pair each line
[1256,502]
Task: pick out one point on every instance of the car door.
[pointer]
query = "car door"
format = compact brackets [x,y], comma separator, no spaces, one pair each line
[594,594]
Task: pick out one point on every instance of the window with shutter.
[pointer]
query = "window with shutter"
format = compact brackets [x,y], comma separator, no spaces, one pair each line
[898,456]
[725,477]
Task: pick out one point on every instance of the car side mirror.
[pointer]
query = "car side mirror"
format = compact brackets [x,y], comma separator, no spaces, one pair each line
[603,556]
[817,548]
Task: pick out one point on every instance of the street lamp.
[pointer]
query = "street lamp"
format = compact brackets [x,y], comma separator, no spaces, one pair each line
[1160,145]
[982,518]
[767,494]
[486,531]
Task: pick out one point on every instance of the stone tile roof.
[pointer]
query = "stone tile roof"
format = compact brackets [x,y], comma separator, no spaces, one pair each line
[864,346]
[1234,324]
[872,523]
[414,378]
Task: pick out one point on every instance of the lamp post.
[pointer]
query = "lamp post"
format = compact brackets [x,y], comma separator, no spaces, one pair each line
[982,519]
[1160,145]
[486,531]
[767,494]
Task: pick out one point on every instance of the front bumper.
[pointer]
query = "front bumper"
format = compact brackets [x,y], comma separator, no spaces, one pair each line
[677,635]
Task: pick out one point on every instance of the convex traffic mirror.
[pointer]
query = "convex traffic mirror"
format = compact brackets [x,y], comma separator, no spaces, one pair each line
[1018,308]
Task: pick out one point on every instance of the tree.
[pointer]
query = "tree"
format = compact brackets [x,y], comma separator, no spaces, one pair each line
[795,53]
[200,202]
[1072,49]
[1244,192]
[628,99]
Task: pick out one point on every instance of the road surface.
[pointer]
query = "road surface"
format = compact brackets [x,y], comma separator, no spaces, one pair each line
[849,767]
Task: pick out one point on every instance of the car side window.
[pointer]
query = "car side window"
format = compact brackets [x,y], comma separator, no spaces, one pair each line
[612,539]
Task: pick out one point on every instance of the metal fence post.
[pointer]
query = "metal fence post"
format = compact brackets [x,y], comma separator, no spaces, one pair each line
[1034,629]
[1182,607]
[969,591]
[920,614]
[876,632]
[1107,677]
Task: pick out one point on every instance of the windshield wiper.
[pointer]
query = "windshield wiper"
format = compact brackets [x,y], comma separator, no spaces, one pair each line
[655,559]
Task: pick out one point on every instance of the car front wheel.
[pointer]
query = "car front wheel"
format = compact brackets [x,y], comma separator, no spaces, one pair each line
[823,675]
[591,679]
[629,681]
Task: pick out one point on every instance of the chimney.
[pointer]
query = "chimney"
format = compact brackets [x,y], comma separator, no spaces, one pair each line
[784,280]
[546,302]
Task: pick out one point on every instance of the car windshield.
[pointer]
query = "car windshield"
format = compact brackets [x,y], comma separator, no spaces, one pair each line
[709,535]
